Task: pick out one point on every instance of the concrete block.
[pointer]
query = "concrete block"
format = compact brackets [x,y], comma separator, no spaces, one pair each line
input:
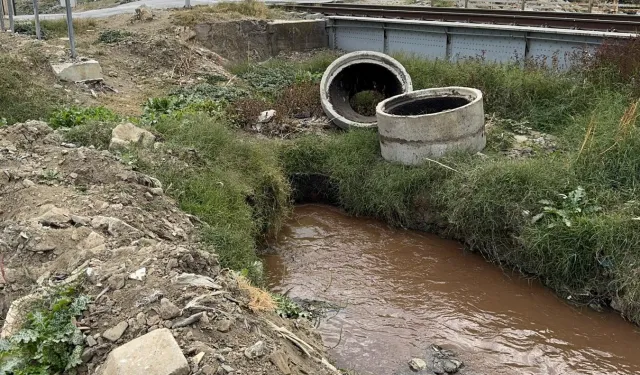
[156,353]
[81,71]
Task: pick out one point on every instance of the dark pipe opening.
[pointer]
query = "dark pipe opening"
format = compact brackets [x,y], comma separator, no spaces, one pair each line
[357,78]
[427,105]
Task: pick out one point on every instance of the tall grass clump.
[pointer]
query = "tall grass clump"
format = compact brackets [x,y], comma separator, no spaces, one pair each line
[548,100]
[24,96]
[234,184]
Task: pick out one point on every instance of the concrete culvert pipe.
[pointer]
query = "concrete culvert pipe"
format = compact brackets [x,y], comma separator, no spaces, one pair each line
[374,73]
[429,123]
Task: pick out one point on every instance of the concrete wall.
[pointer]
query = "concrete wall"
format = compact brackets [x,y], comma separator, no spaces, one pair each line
[259,40]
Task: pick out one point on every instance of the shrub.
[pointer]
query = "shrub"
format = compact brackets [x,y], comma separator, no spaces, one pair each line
[73,116]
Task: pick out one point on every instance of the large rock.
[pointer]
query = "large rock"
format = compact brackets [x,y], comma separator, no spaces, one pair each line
[156,353]
[125,135]
[81,71]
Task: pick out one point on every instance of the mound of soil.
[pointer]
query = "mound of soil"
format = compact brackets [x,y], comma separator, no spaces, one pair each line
[78,215]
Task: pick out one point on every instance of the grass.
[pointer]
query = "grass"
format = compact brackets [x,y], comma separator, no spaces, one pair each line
[23,95]
[234,184]
[55,28]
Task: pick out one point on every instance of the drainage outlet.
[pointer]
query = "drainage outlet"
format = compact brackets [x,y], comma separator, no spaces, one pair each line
[429,123]
[355,83]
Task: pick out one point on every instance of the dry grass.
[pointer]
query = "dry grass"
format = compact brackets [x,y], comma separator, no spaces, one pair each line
[260,300]
[222,11]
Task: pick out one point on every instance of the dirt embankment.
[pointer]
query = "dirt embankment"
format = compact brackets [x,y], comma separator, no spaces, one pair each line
[78,216]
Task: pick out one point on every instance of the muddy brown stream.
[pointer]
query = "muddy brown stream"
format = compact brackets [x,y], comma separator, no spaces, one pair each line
[403,290]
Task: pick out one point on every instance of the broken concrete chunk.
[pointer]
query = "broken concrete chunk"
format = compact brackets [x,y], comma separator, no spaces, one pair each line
[196,280]
[113,226]
[256,350]
[81,71]
[168,310]
[91,241]
[156,353]
[125,135]
[113,334]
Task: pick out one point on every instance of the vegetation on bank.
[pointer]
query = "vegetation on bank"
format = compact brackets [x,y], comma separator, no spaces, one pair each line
[570,216]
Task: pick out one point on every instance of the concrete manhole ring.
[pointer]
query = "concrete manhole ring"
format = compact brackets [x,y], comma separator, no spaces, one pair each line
[355,72]
[429,123]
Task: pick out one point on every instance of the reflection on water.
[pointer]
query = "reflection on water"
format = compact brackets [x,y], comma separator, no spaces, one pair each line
[404,290]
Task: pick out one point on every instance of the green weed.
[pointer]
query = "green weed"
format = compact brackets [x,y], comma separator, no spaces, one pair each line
[73,116]
[288,309]
[49,341]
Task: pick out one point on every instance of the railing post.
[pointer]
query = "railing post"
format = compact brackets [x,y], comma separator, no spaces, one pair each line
[466,4]
[1,16]
[522,5]
[12,25]
[72,37]
[36,16]
[590,6]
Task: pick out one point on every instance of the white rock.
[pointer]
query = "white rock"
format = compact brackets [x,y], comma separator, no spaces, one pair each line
[417,364]
[139,274]
[266,116]
[82,71]
[113,334]
[124,135]
[156,353]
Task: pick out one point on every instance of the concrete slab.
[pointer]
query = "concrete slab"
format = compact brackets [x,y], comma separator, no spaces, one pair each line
[156,353]
[81,71]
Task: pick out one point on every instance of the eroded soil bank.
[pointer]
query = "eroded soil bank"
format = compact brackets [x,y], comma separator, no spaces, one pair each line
[395,292]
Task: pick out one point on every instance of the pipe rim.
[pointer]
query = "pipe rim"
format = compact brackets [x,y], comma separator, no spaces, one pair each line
[347,60]
[381,108]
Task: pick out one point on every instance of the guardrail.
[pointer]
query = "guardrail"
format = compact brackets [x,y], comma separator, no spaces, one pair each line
[553,48]
[585,21]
